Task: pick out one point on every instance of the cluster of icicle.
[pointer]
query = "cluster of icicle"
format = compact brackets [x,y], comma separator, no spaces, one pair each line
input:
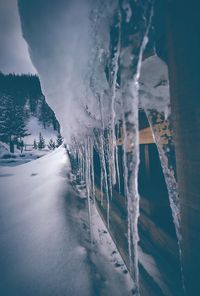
[119,112]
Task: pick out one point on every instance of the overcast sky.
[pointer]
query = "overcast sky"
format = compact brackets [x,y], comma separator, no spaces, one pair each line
[14,56]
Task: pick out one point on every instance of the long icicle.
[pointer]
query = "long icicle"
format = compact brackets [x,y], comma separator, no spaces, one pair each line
[162,142]
[88,182]
[117,168]
[114,72]
[131,156]
[103,161]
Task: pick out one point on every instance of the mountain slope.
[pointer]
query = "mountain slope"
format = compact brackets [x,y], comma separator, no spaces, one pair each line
[24,112]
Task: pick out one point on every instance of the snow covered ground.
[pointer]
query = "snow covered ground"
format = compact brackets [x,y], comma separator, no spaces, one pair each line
[34,127]
[13,159]
[18,158]
[45,247]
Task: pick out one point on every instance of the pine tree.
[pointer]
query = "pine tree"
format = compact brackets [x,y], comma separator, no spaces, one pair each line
[12,122]
[35,146]
[21,130]
[8,121]
[59,140]
[41,143]
[3,115]
[51,145]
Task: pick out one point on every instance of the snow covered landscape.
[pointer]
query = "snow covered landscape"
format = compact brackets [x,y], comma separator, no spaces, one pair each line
[45,239]
[99,148]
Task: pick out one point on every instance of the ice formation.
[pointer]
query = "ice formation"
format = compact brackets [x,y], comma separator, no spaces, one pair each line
[90,73]
[154,100]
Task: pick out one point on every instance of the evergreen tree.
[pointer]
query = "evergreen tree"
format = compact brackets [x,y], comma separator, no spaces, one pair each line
[59,140]
[21,130]
[12,122]
[41,143]
[35,146]
[8,121]
[51,145]
[3,115]
[21,98]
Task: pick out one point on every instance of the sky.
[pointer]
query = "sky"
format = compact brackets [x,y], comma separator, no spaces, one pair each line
[14,55]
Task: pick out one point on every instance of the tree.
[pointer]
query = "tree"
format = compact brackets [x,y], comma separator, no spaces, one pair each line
[12,122]
[51,145]
[41,143]
[35,146]
[20,126]
[59,140]
[7,126]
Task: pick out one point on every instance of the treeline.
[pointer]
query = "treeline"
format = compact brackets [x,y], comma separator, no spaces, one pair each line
[20,86]
[41,143]
[20,98]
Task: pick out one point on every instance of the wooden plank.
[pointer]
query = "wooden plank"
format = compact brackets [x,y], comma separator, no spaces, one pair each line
[145,136]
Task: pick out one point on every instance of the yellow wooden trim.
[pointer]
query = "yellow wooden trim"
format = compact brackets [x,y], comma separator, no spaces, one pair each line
[145,136]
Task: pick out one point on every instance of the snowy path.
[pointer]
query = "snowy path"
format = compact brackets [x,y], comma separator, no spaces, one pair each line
[44,248]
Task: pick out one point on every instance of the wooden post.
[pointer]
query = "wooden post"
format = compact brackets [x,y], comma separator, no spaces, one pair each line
[184,67]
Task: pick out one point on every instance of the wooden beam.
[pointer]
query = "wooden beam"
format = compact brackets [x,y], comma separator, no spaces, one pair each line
[145,136]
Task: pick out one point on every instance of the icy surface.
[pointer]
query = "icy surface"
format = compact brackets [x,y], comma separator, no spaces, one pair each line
[45,247]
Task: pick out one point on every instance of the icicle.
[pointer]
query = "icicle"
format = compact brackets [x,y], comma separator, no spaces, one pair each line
[117,157]
[105,177]
[109,165]
[166,148]
[82,167]
[92,169]
[88,182]
[130,103]
[117,168]
[84,163]
[103,161]
[126,190]
[114,72]
[101,186]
